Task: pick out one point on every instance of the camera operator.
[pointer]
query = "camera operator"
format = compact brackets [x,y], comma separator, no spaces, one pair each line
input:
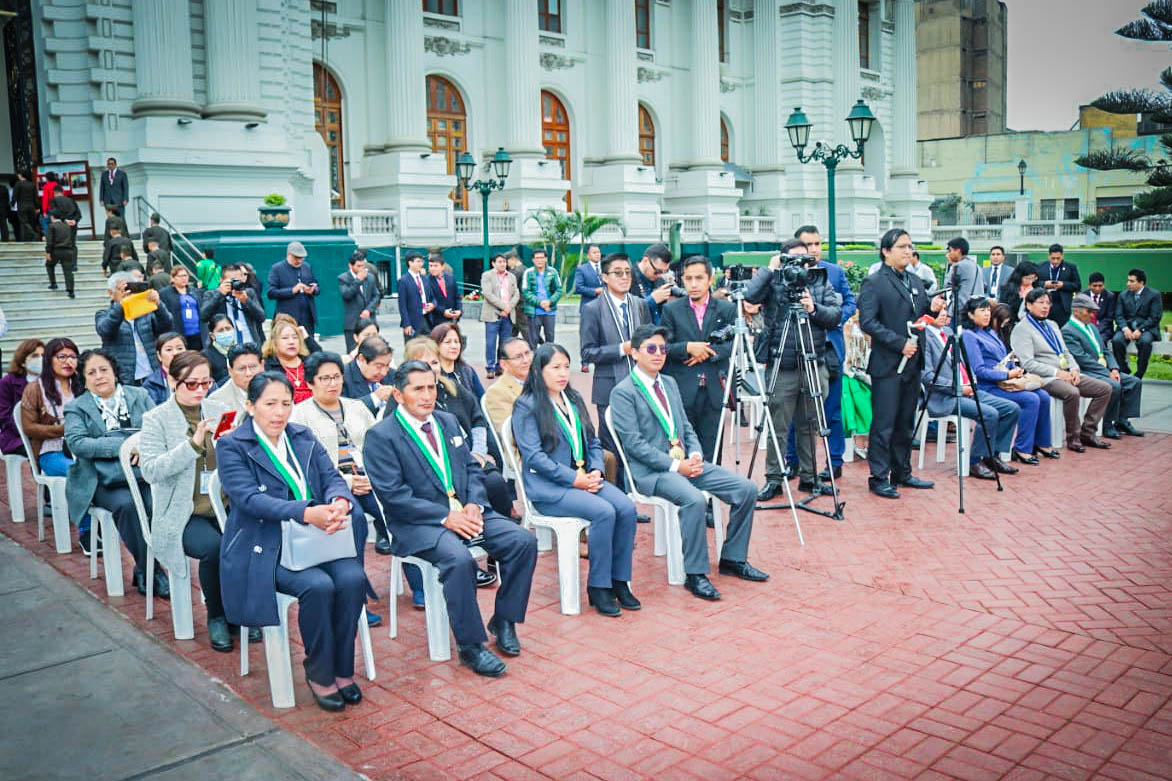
[653,281]
[777,289]
[238,302]
[698,349]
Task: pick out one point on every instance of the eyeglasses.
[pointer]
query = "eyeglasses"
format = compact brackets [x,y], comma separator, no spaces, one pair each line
[197,384]
[652,349]
[520,356]
[66,357]
[620,274]
[328,379]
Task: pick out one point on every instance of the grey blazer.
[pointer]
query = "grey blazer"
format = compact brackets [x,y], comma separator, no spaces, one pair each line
[1034,354]
[167,460]
[967,279]
[87,439]
[641,435]
[1086,353]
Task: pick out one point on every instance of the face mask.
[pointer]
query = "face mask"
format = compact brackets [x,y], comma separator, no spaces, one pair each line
[225,338]
[34,365]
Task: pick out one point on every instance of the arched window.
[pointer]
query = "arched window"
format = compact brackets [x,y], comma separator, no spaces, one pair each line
[555,134]
[646,136]
[447,127]
[723,140]
[327,118]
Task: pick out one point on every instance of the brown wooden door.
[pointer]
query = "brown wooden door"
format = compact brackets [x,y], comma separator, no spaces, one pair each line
[555,134]
[447,128]
[327,113]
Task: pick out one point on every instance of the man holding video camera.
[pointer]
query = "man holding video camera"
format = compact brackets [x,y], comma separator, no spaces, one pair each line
[793,279]
[653,281]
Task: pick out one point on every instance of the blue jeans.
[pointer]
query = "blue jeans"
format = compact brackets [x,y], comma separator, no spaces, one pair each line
[495,334]
[56,464]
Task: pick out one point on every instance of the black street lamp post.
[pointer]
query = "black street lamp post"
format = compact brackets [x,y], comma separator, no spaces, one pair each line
[466,166]
[859,120]
[1021,169]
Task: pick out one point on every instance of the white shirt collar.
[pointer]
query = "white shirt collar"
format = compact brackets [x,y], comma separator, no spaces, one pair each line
[417,424]
[647,378]
[618,302]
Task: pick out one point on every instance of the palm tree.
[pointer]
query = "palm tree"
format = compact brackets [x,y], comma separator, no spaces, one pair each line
[588,224]
[558,229]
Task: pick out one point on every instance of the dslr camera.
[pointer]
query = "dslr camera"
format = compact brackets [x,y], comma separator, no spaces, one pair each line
[797,272]
[669,278]
[238,285]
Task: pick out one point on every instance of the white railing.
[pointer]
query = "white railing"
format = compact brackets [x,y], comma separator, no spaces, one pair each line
[758,227]
[1052,229]
[503,227]
[979,233]
[367,224]
[1148,225]
[691,230]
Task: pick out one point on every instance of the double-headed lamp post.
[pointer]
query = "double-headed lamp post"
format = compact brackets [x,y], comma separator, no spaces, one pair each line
[798,126]
[466,166]
[1021,169]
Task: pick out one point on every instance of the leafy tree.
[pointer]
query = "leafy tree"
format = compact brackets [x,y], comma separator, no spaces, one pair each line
[558,229]
[1156,27]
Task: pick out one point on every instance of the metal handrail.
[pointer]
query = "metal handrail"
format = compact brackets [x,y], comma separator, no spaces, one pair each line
[181,247]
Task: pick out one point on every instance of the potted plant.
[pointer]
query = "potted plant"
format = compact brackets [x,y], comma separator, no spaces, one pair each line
[274,215]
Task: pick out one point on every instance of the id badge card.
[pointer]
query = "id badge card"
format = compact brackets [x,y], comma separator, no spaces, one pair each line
[205,482]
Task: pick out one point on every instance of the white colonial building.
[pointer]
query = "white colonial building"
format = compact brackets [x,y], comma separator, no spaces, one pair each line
[654,110]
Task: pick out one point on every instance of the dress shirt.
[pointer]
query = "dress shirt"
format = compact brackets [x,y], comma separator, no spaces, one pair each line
[995,278]
[650,381]
[699,310]
[419,286]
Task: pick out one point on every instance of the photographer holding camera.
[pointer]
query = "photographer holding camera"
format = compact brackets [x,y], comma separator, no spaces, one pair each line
[653,280]
[238,302]
[793,279]
[699,347]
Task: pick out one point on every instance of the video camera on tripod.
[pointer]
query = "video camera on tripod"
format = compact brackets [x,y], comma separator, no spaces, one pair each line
[796,273]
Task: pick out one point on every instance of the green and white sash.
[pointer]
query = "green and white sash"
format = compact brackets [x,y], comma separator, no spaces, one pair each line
[294,477]
[1091,336]
[572,427]
[440,464]
[663,414]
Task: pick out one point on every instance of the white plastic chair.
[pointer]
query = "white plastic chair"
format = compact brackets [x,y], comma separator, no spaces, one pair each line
[942,423]
[15,480]
[278,658]
[565,530]
[103,519]
[507,468]
[1057,424]
[669,539]
[56,486]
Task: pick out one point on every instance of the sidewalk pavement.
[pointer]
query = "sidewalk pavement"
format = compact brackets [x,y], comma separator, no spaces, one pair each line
[88,695]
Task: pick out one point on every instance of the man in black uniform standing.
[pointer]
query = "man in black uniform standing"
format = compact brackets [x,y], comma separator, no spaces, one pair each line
[889,300]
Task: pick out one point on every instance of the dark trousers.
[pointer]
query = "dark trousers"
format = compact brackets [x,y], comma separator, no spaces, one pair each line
[1097,390]
[893,414]
[515,551]
[119,502]
[704,415]
[1125,399]
[13,219]
[201,540]
[539,324]
[495,334]
[833,405]
[68,266]
[500,496]
[729,487]
[998,419]
[30,224]
[611,536]
[606,439]
[331,597]
[792,400]
[1033,422]
[1143,349]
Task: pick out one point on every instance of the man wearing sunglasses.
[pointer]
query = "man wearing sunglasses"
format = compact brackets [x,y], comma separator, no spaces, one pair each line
[649,280]
[666,460]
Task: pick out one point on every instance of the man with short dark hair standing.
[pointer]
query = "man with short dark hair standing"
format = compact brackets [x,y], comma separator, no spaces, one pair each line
[60,248]
[115,188]
[293,286]
[1104,301]
[361,295]
[24,195]
[649,278]
[962,275]
[540,292]
[588,276]
[155,232]
[442,292]
[234,299]
[996,273]
[1137,314]
[1061,279]
[414,305]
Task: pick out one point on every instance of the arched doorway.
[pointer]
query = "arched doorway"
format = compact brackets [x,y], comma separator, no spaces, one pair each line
[447,128]
[555,134]
[724,145]
[646,136]
[327,118]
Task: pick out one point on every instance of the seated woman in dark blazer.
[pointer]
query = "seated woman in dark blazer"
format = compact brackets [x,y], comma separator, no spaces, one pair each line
[96,424]
[561,464]
[221,339]
[277,472]
[167,346]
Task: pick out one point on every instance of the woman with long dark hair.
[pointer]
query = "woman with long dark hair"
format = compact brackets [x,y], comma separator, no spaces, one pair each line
[157,384]
[221,339]
[1013,293]
[26,365]
[561,464]
[450,343]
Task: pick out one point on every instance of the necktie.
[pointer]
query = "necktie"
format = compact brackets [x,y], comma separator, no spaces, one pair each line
[659,393]
[443,288]
[430,437]
[993,279]
[419,284]
[626,322]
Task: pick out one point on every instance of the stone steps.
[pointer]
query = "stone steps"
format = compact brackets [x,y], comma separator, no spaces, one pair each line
[34,311]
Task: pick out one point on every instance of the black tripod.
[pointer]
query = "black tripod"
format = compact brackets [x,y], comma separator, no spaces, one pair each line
[954,345]
[797,317]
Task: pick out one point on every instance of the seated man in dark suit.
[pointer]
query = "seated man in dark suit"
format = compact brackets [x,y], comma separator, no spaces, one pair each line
[432,492]
[1104,301]
[1086,344]
[365,378]
[1137,315]
[666,461]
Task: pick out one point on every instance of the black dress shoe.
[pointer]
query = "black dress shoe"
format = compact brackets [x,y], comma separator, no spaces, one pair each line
[701,586]
[1128,429]
[1051,453]
[481,660]
[824,475]
[1018,457]
[642,518]
[981,472]
[139,580]
[603,600]
[351,694]
[814,487]
[622,592]
[219,634]
[883,488]
[911,481]
[484,578]
[382,546]
[1075,446]
[709,518]
[332,702]
[770,490]
[506,636]
[997,465]
[162,584]
[1111,433]
[1095,442]
[255,635]
[741,569]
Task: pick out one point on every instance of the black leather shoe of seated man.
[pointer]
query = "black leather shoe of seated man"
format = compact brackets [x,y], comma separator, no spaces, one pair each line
[219,634]
[981,472]
[382,546]
[481,660]
[701,587]
[506,636]
[162,584]
[911,481]
[741,569]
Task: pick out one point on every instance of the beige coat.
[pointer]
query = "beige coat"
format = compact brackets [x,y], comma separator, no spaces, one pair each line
[358,422]
[494,302]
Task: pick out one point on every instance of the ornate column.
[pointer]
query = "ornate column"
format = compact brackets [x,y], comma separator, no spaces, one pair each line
[523,89]
[162,59]
[622,127]
[847,84]
[233,60]
[406,86]
[767,90]
[903,143]
[704,60]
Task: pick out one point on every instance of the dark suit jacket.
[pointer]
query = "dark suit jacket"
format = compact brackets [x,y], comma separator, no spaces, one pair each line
[548,475]
[112,255]
[677,315]
[587,282]
[1085,354]
[599,340]
[260,501]
[355,386]
[638,429]
[1060,299]
[412,497]
[65,207]
[411,305]
[885,309]
[159,234]
[116,193]
[25,194]
[442,302]
[169,297]
[357,296]
[302,307]
[114,222]
[1105,318]
[1141,315]
[215,303]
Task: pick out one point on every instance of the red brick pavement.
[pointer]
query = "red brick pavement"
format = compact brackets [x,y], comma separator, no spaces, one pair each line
[1027,639]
